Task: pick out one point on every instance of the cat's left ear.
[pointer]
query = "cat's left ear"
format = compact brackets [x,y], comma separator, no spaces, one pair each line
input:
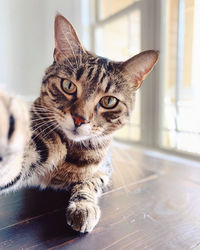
[138,67]
[67,43]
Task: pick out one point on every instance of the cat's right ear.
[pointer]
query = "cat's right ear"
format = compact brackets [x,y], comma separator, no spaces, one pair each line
[67,44]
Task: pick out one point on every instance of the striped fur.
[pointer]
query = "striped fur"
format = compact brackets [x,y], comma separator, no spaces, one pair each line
[54,150]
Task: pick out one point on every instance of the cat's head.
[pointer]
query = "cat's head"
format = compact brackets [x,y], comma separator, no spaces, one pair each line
[90,96]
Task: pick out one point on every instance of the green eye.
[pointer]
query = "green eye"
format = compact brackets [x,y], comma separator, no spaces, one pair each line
[69,87]
[108,102]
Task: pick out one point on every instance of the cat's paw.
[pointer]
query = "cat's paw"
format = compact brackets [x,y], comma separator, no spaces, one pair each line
[82,216]
[14,133]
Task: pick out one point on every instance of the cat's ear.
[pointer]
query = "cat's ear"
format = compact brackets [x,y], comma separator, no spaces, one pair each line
[67,44]
[138,67]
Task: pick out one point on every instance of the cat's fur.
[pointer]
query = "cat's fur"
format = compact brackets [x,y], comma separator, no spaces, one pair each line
[53,151]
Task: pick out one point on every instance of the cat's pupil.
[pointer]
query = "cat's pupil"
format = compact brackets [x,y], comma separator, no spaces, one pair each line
[110,100]
[69,85]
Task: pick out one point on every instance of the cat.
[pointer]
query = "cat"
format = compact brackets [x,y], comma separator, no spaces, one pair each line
[63,141]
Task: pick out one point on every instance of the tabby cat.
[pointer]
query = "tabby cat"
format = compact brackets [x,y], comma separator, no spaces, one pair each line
[63,141]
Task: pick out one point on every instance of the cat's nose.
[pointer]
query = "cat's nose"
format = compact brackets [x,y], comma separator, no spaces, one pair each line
[78,120]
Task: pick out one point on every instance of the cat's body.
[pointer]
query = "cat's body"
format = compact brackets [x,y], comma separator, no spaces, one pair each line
[83,100]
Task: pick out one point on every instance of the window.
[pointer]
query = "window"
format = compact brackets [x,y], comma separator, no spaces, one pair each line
[181,103]
[167,107]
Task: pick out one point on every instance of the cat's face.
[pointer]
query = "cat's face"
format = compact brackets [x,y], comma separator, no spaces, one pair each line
[90,96]
[90,100]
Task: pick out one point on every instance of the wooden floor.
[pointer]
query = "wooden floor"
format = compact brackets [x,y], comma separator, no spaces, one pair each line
[153,204]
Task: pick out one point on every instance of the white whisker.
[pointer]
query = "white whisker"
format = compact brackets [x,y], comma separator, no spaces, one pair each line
[51,123]
[36,106]
[42,122]
[42,118]
[54,128]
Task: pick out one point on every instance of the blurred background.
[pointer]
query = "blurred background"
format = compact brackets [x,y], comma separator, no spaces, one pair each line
[167,112]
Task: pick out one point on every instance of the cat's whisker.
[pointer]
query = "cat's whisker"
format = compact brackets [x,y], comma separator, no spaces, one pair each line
[43,110]
[38,122]
[38,112]
[54,128]
[42,118]
[36,130]
[42,114]
[41,125]
[36,106]
[51,125]
[50,131]
[40,106]
[37,125]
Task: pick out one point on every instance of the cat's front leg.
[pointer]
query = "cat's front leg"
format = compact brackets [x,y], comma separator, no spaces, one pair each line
[83,212]
[14,133]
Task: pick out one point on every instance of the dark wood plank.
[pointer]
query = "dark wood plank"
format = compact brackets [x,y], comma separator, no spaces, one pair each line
[29,203]
[153,204]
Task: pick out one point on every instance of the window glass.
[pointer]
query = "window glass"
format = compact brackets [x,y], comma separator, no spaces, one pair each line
[181,116]
[110,7]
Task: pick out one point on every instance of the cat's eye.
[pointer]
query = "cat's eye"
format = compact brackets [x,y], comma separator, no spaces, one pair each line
[109,102]
[69,87]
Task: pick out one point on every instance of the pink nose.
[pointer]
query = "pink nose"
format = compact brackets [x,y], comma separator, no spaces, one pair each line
[78,120]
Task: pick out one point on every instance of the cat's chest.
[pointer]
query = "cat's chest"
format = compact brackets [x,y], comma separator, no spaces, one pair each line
[57,153]
[49,154]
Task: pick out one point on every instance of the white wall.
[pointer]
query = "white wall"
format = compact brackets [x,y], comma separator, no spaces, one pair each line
[26,40]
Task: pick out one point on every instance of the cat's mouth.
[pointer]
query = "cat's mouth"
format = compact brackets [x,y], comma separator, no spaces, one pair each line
[75,132]
[75,135]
